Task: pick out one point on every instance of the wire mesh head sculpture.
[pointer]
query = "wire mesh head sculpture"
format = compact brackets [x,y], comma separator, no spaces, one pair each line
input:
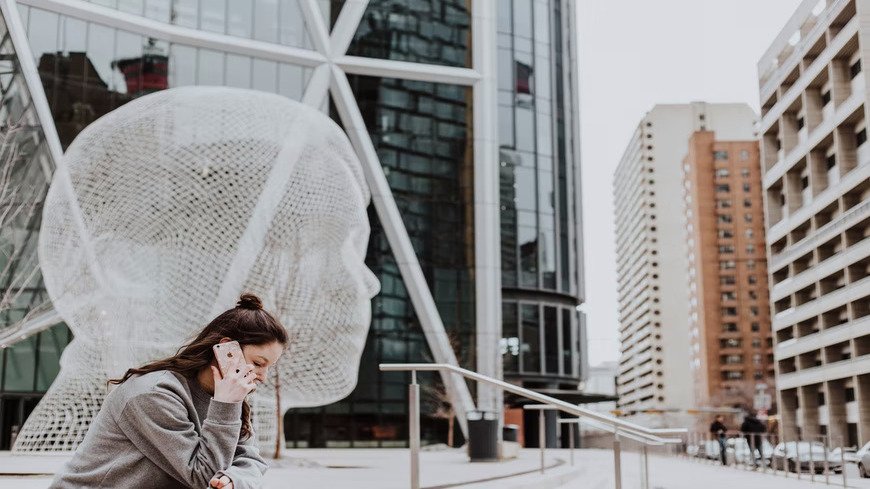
[185,198]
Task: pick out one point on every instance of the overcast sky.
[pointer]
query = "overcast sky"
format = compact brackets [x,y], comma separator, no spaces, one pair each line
[633,55]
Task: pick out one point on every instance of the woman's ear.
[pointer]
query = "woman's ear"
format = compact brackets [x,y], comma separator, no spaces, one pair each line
[225,340]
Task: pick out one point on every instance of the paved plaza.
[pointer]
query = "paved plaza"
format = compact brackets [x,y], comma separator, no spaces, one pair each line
[388,469]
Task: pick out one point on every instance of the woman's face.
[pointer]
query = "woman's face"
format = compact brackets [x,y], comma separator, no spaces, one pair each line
[262,357]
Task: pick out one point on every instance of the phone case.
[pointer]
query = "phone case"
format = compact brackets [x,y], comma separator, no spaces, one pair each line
[228,355]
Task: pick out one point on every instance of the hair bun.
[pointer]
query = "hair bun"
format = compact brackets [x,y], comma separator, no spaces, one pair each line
[249,301]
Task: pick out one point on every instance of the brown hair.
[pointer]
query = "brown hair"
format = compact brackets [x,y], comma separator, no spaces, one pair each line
[248,323]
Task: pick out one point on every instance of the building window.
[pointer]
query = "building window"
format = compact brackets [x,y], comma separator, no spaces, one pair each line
[726,233]
[744,172]
[730,343]
[855,69]
[756,342]
[753,296]
[724,218]
[723,188]
[755,326]
[720,155]
[831,161]
[723,204]
[746,187]
[729,296]
[826,98]
[729,311]
[724,249]
[744,155]
[727,280]
[820,398]
[738,375]
[800,123]
[752,279]
[861,137]
[750,249]
[722,173]
[747,218]
[727,265]
[732,359]
[748,233]
[805,182]
[750,264]
[747,203]
[729,327]
[849,394]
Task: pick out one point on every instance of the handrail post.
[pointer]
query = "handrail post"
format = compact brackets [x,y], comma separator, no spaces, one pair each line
[843,460]
[414,429]
[617,460]
[644,467]
[571,440]
[825,442]
[541,437]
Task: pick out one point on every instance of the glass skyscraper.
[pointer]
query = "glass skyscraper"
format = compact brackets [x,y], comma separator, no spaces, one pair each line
[90,61]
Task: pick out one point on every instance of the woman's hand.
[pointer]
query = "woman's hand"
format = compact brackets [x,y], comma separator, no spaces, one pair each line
[222,482]
[238,383]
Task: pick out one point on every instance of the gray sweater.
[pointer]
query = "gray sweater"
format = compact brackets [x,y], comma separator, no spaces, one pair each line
[162,430]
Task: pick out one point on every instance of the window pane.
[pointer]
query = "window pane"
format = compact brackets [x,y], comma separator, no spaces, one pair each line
[21,366]
[265,75]
[266,20]
[51,344]
[531,346]
[551,340]
[182,62]
[510,337]
[213,15]
[211,68]
[566,343]
[240,18]
[238,71]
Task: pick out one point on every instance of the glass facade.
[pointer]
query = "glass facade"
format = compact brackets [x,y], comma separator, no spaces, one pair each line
[422,133]
[541,340]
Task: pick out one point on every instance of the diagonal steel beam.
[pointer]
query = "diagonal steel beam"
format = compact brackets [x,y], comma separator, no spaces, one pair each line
[400,243]
[346,25]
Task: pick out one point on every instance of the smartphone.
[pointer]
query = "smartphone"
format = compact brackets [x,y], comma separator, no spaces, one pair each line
[229,356]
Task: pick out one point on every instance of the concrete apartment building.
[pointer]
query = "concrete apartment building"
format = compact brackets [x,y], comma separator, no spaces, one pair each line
[652,254]
[816,175]
[729,317]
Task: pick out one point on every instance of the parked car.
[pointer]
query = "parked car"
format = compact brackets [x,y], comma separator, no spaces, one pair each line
[738,451]
[704,449]
[863,455]
[803,456]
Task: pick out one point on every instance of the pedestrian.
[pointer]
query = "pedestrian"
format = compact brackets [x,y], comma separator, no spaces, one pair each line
[183,422]
[752,429]
[720,432]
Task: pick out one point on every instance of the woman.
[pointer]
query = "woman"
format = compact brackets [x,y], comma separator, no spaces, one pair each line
[178,422]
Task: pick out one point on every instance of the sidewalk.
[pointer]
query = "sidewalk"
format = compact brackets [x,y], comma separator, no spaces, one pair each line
[389,469]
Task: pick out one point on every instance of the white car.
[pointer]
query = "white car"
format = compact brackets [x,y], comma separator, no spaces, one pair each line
[739,451]
[863,456]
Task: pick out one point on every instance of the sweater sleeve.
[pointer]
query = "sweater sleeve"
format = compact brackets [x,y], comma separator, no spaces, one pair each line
[248,466]
[158,425]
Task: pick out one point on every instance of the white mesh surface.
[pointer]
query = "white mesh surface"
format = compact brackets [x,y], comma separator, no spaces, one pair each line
[191,196]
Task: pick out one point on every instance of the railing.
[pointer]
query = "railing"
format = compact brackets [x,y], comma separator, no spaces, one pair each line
[619,427]
[815,457]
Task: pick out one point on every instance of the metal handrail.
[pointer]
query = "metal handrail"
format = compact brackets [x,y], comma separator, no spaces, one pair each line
[530,394]
[628,433]
[620,427]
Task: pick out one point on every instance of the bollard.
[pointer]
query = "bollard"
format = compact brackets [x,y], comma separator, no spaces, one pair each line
[644,476]
[825,442]
[797,458]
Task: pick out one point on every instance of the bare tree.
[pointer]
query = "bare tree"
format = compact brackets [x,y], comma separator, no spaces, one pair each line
[437,394]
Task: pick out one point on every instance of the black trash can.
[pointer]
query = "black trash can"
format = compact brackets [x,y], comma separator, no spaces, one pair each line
[482,436]
[510,432]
